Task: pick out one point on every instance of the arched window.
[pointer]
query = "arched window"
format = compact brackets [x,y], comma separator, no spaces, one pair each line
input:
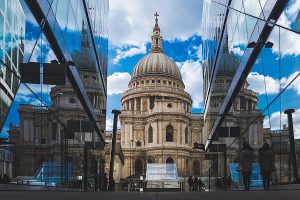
[169,133]
[186,135]
[169,160]
[138,167]
[150,134]
[196,168]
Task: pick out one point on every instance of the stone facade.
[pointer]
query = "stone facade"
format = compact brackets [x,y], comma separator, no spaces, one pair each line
[157,125]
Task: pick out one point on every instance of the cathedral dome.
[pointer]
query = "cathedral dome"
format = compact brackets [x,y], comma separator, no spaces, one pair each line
[156,63]
[228,63]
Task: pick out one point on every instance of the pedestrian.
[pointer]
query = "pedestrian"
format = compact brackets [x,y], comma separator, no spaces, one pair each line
[1,178]
[229,180]
[190,182]
[245,165]
[200,184]
[112,184]
[218,183]
[196,184]
[104,182]
[224,182]
[266,163]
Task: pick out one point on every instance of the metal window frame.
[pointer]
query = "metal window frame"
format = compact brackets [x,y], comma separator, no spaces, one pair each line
[63,55]
[248,59]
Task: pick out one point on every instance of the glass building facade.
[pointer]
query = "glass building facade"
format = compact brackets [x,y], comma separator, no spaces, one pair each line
[36,117]
[250,77]
[12,34]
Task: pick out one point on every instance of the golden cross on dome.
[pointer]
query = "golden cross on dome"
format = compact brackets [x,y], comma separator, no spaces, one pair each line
[156,15]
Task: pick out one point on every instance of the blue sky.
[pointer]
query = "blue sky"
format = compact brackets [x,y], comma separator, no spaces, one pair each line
[130,29]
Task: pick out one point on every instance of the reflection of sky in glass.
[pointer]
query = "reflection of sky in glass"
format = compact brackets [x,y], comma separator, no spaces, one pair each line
[275,67]
[12,32]
[67,20]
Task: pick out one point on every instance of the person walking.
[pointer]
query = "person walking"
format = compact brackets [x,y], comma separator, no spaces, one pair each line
[112,185]
[190,182]
[229,180]
[218,183]
[200,184]
[196,184]
[105,182]
[266,163]
[246,160]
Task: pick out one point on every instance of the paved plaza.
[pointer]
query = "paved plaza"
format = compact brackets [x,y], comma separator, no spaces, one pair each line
[14,192]
[232,195]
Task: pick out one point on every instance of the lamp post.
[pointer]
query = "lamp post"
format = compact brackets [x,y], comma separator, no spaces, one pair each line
[292,143]
[113,146]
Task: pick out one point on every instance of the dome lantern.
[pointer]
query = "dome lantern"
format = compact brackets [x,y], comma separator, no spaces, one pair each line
[156,38]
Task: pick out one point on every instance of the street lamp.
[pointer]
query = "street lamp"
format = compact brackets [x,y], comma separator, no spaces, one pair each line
[292,143]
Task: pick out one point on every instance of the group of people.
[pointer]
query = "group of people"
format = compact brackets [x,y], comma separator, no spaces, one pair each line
[223,183]
[265,161]
[195,184]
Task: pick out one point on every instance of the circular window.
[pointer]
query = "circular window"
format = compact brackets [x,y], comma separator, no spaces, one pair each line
[169,105]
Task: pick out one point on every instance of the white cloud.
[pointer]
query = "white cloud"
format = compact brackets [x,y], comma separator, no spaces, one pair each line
[24,95]
[293,9]
[257,83]
[117,83]
[33,49]
[240,34]
[288,46]
[131,22]
[110,124]
[199,51]
[193,79]
[122,54]
[237,50]
[36,88]
[276,120]
[295,85]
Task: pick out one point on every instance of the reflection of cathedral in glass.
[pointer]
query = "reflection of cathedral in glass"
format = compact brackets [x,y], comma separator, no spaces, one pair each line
[244,107]
[88,72]
[40,136]
[12,33]
[243,111]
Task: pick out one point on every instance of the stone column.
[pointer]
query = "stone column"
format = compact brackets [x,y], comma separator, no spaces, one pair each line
[129,104]
[135,104]
[179,131]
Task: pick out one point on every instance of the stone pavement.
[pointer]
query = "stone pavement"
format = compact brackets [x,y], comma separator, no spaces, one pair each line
[232,195]
[14,192]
